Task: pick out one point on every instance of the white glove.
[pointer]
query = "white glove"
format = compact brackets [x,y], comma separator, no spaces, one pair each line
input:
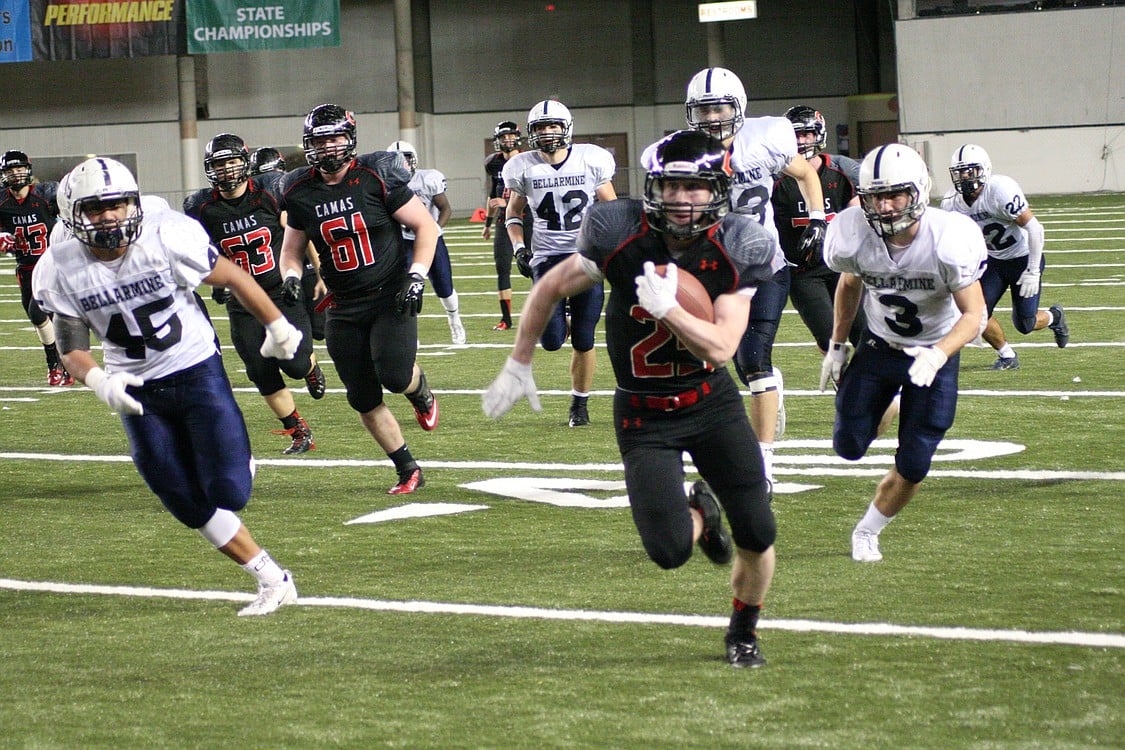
[927,361]
[513,383]
[282,340]
[835,360]
[7,242]
[1029,283]
[657,293]
[111,389]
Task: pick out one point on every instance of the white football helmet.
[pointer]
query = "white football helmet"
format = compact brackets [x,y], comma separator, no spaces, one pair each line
[715,87]
[549,112]
[96,181]
[62,198]
[970,168]
[409,154]
[893,168]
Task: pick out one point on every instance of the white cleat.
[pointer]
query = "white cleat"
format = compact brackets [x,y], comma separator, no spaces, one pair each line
[271,597]
[780,428]
[456,330]
[865,546]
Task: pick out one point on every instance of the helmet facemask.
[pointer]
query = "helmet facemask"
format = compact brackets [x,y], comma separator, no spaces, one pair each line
[683,156]
[968,179]
[15,170]
[888,224]
[97,184]
[549,142]
[107,234]
[708,116]
[506,137]
[326,121]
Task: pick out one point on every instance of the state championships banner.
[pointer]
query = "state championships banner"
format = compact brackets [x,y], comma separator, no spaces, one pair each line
[239,26]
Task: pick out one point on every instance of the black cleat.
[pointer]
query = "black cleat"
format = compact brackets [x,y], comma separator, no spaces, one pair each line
[302,438]
[744,654]
[1006,363]
[1059,327]
[425,405]
[316,382]
[714,541]
[579,415]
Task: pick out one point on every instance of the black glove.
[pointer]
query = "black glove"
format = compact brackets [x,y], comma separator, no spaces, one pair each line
[221,295]
[291,289]
[812,241]
[523,260]
[410,296]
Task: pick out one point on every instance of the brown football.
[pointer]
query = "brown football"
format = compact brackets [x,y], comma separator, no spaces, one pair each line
[691,295]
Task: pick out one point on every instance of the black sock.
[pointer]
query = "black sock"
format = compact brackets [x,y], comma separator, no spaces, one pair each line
[506,311]
[291,421]
[743,621]
[52,352]
[403,460]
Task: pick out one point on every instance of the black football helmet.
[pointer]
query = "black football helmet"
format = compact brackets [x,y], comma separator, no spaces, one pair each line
[266,159]
[328,120]
[223,148]
[808,120]
[688,155]
[504,144]
[15,170]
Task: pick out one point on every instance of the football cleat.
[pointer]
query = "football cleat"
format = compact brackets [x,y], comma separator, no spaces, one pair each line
[58,376]
[425,404]
[579,415]
[779,429]
[408,481]
[457,330]
[271,597]
[714,541]
[1006,363]
[745,653]
[865,546]
[302,438]
[503,325]
[316,382]
[1059,327]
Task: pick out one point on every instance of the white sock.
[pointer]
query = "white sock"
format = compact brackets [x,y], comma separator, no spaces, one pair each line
[263,567]
[873,520]
[767,459]
[450,304]
[1007,352]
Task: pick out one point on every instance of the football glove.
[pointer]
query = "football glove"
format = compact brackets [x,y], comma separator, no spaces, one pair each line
[657,293]
[513,383]
[291,290]
[111,390]
[7,242]
[523,260]
[282,340]
[927,361]
[832,367]
[1028,283]
[409,299]
[812,240]
[220,294]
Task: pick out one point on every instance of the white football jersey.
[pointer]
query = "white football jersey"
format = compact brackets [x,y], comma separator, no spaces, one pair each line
[142,307]
[995,210]
[909,301]
[761,148]
[559,194]
[150,204]
[426,183]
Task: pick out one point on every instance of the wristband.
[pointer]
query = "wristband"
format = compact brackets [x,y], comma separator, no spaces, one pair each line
[94,377]
[513,220]
[518,246]
[813,215]
[291,274]
[488,221]
[419,269]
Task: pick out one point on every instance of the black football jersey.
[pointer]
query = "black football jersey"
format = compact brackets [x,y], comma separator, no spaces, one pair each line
[646,357]
[30,220]
[351,224]
[247,229]
[839,179]
[493,167]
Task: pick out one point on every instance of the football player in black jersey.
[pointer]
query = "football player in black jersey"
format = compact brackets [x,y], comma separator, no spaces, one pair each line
[813,284]
[674,392]
[506,142]
[351,208]
[27,215]
[244,221]
[266,160]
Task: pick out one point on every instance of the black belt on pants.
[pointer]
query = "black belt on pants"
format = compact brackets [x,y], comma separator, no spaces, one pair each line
[671,403]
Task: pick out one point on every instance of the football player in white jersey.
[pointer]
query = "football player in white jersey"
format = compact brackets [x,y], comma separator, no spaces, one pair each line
[1015,249]
[429,186]
[917,271]
[130,278]
[761,148]
[560,180]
